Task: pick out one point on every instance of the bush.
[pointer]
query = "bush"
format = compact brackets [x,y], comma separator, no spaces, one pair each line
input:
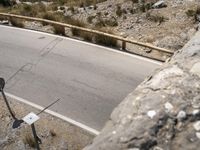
[29,10]
[119,11]
[194,13]
[134,1]
[6,2]
[190,13]
[104,40]
[49,16]
[52,7]
[100,23]
[155,18]
[86,36]
[16,22]
[60,30]
[90,18]
[71,8]
[112,22]
[3,18]
[52,133]
[76,32]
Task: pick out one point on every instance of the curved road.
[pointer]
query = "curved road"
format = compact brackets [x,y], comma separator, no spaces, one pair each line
[90,80]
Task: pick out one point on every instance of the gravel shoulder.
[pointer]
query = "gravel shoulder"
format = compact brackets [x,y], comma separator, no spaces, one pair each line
[55,133]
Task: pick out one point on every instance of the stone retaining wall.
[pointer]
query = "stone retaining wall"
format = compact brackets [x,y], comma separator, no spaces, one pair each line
[163,113]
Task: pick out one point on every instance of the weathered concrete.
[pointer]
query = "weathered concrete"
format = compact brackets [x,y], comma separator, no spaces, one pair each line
[163,112]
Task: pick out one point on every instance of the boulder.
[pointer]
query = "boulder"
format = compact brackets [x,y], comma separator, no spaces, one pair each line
[163,113]
[159,4]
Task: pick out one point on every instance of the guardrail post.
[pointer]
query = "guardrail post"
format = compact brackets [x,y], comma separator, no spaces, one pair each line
[124,45]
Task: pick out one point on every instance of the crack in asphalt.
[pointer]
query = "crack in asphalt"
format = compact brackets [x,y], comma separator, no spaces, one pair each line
[44,52]
[50,46]
[19,70]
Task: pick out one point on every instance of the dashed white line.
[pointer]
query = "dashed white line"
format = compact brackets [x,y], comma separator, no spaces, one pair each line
[78,124]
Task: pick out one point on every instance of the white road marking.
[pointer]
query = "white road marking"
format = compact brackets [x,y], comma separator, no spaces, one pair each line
[87,43]
[78,124]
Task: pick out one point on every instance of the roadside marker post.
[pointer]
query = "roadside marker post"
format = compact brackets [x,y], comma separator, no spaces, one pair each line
[30,119]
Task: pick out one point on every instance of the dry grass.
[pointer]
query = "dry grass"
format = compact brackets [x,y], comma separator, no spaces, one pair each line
[106,22]
[195,12]
[60,30]
[28,139]
[156,18]
[76,32]
[16,22]
[104,40]
[47,12]
[52,133]
[29,10]
[3,18]
[72,2]
[86,36]
[119,11]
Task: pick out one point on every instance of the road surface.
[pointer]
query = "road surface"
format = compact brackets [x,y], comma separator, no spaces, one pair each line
[90,80]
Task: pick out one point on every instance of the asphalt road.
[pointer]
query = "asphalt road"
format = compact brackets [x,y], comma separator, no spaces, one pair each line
[90,80]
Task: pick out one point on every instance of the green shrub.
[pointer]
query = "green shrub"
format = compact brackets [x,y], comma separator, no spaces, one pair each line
[6,2]
[16,22]
[50,16]
[75,32]
[111,22]
[100,23]
[108,22]
[53,133]
[119,11]
[90,18]
[60,30]
[193,13]
[86,36]
[155,18]
[62,8]
[190,13]
[132,11]
[3,18]
[142,8]
[29,10]
[52,7]
[71,8]
[104,40]
[134,1]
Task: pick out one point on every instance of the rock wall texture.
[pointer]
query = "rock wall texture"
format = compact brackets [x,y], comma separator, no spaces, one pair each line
[163,113]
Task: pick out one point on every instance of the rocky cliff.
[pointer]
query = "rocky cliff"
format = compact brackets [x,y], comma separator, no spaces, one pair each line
[163,113]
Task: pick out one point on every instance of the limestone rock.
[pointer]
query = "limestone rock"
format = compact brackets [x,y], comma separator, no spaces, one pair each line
[173,93]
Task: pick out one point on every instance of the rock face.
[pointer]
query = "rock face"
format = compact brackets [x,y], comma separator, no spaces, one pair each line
[163,113]
[160,4]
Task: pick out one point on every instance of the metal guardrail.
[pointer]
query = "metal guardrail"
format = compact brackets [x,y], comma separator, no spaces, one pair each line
[124,40]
